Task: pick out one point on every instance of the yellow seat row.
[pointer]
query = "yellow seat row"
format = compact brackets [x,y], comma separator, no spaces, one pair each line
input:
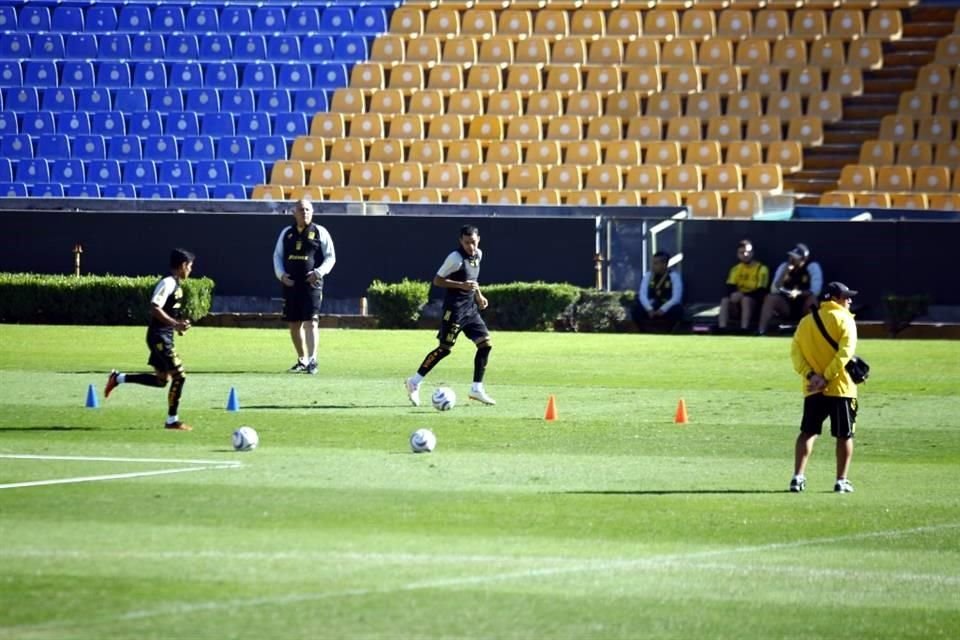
[895,200]
[900,178]
[914,153]
[919,103]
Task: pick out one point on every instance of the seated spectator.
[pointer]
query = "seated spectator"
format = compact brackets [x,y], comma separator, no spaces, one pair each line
[795,289]
[747,286]
[658,298]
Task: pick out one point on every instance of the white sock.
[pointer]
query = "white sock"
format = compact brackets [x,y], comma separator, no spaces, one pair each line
[173,419]
[121,378]
[477,386]
[416,379]
[304,360]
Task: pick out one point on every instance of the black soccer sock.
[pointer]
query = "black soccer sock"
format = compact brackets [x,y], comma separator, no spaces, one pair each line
[146,379]
[480,362]
[176,390]
[432,359]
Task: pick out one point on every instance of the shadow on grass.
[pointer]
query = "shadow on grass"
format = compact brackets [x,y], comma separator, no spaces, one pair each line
[49,428]
[320,406]
[675,492]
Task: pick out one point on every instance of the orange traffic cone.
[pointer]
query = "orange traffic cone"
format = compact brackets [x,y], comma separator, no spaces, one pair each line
[551,413]
[681,417]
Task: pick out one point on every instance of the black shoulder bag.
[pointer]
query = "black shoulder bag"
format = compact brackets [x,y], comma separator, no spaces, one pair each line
[857,367]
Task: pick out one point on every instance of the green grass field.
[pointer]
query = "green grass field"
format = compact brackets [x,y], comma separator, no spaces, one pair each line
[611,522]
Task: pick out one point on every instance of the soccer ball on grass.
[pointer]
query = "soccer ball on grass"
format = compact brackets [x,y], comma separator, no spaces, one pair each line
[245,439]
[422,441]
[444,399]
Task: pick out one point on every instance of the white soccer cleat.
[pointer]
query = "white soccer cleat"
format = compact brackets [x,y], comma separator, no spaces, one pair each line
[481,396]
[413,392]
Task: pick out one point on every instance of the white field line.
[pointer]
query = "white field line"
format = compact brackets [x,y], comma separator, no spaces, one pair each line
[680,560]
[196,465]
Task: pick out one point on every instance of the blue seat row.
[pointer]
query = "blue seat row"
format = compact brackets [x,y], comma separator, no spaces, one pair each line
[200,18]
[227,191]
[210,47]
[166,99]
[92,146]
[137,172]
[223,75]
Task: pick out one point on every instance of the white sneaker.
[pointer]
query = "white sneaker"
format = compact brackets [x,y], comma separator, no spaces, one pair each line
[843,486]
[481,396]
[413,392]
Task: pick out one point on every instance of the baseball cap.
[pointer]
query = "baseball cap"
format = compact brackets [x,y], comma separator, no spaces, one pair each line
[839,290]
[800,251]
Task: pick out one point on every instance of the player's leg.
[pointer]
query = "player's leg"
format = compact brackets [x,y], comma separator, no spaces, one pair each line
[447,336]
[117,378]
[843,422]
[747,305]
[811,424]
[159,345]
[774,305]
[311,328]
[480,359]
[178,377]
[292,304]
[725,309]
[299,340]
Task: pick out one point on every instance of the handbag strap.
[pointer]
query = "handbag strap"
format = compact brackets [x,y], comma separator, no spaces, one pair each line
[823,330]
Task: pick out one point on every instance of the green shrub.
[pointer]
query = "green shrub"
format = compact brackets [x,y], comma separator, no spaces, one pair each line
[105,300]
[527,306]
[397,305]
[597,311]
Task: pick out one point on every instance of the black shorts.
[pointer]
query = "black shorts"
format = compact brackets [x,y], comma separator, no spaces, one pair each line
[163,355]
[841,411]
[301,303]
[471,325]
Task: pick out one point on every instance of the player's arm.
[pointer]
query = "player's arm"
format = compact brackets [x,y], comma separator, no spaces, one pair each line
[278,269]
[160,294]
[677,287]
[327,255]
[451,265]
[642,294]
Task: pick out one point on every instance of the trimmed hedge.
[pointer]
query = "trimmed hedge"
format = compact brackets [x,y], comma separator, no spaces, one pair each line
[527,306]
[105,300]
[397,305]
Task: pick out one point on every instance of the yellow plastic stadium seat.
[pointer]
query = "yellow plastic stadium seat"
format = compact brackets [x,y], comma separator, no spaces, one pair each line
[944,201]
[934,77]
[703,153]
[895,178]
[388,102]
[645,128]
[344,194]
[442,77]
[857,177]
[865,53]
[787,153]
[644,178]
[872,199]
[744,105]
[643,51]
[428,102]
[771,24]
[465,102]
[909,201]
[446,127]
[625,22]
[446,175]
[502,196]
[545,153]
[406,175]
[664,154]
[764,129]
[828,52]
[836,199]
[328,125]
[810,24]
[288,173]
[847,81]
[588,104]
[424,195]
[478,22]
[407,127]
[683,79]
[790,52]
[583,152]
[722,177]
[727,80]
[464,196]
[745,204]
[384,194]
[268,192]
[644,79]
[805,80]
[698,23]
[388,49]
[387,151]
[764,178]
[581,198]
[663,23]
[460,50]
[551,22]
[367,125]
[716,52]
[683,177]
[565,128]
[935,128]
[746,153]
[930,179]
[504,152]
[704,105]
[545,197]
[368,75]
[735,23]
[563,77]
[897,128]
[314,194]
[621,198]
[465,152]
[764,79]
[442,21]
[533,50]
[678,52]
[785,104]
[665,106]
[525,177]
[407,21]
[663,199]
[366,174]
[564,177]
[349,151]
[496,50]
[826,105]
[684,128]
[605,51]
[725,128]
[753,52]
[523,77]
[326,174]
[877,152]
[947,154]
[485,176]
[525,128]
[517,23]
[915,103]
[846,23]
[704,204]
[916,153]
[308,149]
[423,50]
[807,130]
[571,50]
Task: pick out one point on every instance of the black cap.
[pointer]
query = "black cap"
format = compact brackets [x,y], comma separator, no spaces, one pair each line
[839,290]
[800,251]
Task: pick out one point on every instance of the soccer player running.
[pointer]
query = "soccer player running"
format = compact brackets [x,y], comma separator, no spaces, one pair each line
[462,304]
[303,255]
[166,308]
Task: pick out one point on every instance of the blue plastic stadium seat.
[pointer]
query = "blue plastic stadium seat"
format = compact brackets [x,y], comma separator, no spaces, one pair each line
[53,146]
[108,123]
[269,19]
[16,146]
[160,148]
[336,20]
[101,18]
[147,46]
[125,148]
[211,172]
[371,20]
[238,100]
[37,123]
[181,123]
[201,19]
[85,190]
[59,99]
[46,190]
[274,100]
[8,123]
[155,191]
[113,75]
[191,192]
[35,17]
[236,19]
[86,45]
[11,75]
[43,73]
[168,18]
[248,172]
[259,75]
[216,46]
[249,46]
[145,123]
[290,125]
[182,46]
[129,100]
[253,124]
[134,18]
[118,190]
[68,171]
[197,148]
[6,169]
[73,123]
[33,170]
[283,48]
[218,124]
[351,48]
[78,74]
[22,99]
[94,99]
[91,147]
[13,190]
[8,18]
[229,191]
[140,172]
[331,75]
[294,75]
[317,48]
[48,45]
[150,75]
[166,100]
[310,100]
[175,172]
[67,18]
[270,148]
[303,20]
[186,75]
[202,100]
[222,75]
[233,148]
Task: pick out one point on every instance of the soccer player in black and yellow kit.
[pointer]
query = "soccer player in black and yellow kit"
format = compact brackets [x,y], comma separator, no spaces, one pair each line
[747,286]
[462,304]
[166,308]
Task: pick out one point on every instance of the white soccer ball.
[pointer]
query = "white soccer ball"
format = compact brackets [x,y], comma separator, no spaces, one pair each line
[422,441]
[245,439]
[444,399]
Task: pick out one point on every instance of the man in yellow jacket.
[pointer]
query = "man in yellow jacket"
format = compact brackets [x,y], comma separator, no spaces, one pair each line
[828,389]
